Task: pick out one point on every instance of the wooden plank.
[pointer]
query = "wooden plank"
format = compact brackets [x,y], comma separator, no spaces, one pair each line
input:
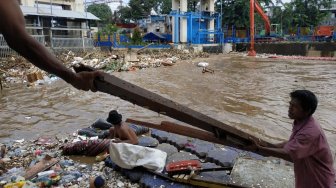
[200,134]
[152,101]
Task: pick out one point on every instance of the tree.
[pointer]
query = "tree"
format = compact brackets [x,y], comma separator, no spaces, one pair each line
[192,4]
[136,38]
[300,13]
[142,8]
[308,12]
[102,11]
[109,29]
[163,7]
[124,15]
[237,12]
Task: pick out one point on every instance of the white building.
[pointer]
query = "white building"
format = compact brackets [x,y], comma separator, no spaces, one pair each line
[54,21]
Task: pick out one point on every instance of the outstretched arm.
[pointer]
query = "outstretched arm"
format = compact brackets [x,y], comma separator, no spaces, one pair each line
[279,151]
[12,26]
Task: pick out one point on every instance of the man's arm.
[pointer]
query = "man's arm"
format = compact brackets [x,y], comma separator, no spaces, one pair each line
[271,151]
[12,26]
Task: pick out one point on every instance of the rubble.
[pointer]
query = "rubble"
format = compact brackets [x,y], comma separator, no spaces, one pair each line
[25,159]
[16,69]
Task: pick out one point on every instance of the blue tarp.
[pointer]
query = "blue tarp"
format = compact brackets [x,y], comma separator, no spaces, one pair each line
[155,37]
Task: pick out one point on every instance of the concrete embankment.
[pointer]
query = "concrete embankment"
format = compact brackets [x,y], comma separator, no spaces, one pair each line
[317,49]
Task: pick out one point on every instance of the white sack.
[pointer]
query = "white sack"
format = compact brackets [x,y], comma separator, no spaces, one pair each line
[129,156]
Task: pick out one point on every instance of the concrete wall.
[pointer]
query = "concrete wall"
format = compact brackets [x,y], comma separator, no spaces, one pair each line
[322,49]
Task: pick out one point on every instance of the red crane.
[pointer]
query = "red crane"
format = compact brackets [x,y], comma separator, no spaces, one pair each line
[255,6]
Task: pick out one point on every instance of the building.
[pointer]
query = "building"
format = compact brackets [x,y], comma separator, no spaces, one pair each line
[200,27]
[155,24]
[330,20]
[59,24]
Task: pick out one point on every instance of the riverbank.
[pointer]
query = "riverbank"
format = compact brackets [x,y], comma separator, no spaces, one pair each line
[16,69]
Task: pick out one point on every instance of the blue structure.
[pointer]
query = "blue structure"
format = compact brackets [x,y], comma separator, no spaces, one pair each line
[111,41]
[157,37]
[197,27]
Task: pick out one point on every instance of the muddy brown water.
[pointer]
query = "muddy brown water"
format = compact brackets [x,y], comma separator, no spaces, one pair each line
[251,94]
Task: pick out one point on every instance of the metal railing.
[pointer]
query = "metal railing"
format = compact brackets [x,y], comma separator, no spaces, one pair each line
[72,43]
[56,44]
[5,50]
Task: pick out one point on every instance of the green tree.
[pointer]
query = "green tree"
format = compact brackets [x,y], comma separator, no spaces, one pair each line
[136,38]
[102,11]
[303,13]
[124,15]
[142,8]
[163,7]
[237,12]
[192,4]
[109,29]
[308,12]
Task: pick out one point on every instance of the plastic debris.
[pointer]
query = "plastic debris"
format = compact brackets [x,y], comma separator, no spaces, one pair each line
[203,64]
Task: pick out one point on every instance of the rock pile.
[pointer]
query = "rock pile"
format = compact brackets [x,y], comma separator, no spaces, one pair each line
[19,158]
[18,70]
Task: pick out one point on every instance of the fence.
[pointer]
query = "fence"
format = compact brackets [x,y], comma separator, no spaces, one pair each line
[5,50]
[72,43]
[56,44]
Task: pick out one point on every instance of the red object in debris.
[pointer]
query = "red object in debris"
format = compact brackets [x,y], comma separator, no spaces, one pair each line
[324,31]
[128,26]
[38,152]
[180,166]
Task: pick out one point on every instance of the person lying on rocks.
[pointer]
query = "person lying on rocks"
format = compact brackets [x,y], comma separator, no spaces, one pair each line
[120,131]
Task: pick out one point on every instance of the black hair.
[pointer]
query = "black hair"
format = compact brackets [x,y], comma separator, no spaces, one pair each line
[307,100]
[114,117]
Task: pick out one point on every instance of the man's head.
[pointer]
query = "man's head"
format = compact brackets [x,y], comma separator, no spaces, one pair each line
[302,105]
[114,118]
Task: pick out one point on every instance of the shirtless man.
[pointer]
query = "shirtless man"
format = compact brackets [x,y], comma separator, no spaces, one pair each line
[121,132]
[12,27]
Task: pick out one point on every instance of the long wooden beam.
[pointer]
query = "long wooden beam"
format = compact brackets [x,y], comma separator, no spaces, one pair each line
[179,129]
[223,133]
[202,135]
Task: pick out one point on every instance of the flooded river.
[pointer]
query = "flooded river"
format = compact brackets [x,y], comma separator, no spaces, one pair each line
[251,94]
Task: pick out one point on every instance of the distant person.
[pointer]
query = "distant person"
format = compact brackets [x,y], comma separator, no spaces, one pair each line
[12,27]
[307,146]
[120,131]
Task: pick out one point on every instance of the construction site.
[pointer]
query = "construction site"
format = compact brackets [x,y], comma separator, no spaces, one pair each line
[200,97]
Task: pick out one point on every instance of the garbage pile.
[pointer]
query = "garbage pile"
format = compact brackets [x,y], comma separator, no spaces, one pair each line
[18,70]
[40,163]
